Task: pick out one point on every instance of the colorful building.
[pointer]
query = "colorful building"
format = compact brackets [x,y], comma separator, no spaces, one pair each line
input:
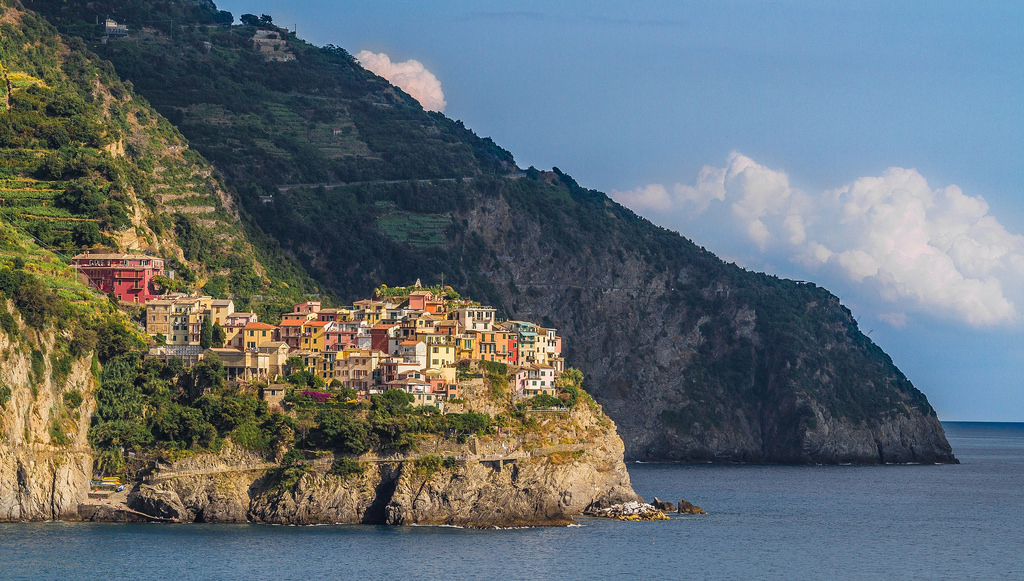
[129,277]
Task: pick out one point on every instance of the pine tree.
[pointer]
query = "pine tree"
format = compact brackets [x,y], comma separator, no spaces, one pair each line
[206,334]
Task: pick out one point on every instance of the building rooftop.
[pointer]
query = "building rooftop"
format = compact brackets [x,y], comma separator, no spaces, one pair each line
[112,256]
[258,326]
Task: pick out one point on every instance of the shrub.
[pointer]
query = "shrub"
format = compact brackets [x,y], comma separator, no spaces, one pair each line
[544,401]
[7,323]
[5,395]
[342,431]
[73,399]
[346,468]
[293,457]
[393,401]
[60,368]
[317,396]
[38,365]
[427,465]
[470,422]
[250,435]
[57,436]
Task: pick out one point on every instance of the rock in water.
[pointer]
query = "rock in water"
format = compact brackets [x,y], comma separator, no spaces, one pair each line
[663,505]
[687,508]
[635,510]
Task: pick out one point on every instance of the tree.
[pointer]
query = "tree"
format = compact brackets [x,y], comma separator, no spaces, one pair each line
[208,375]
[266,20]
[206,334]
[344,432]
[295,364]
[571,377]
[250,20]
[85,234]
[393,401]
[219,335]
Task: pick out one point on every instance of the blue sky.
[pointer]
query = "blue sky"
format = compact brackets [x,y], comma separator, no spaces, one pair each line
[873,147]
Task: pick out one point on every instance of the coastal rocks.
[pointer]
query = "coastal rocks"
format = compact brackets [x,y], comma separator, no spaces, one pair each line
[214,488]
[318,497]
[156,502]
[900,440]
[575,465]
[663,505]
[634,511]
[685,507]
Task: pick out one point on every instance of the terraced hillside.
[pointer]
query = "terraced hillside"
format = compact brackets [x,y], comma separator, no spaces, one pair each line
[85,163]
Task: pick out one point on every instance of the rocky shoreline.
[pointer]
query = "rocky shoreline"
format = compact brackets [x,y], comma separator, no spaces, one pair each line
[474,485]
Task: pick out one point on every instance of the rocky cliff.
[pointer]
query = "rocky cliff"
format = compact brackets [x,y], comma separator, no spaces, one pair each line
[570,462]
[45,459]
[697,360]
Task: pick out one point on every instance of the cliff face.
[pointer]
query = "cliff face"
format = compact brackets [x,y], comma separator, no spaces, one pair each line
[493,481]
[696,359]
[45,460]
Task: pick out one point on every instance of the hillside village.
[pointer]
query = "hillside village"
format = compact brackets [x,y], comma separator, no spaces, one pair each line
[407,338]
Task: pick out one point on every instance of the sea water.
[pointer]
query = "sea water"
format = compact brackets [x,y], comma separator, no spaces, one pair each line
[764,522]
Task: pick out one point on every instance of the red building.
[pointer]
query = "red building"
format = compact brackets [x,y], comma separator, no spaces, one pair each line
[128,276]
[379,336]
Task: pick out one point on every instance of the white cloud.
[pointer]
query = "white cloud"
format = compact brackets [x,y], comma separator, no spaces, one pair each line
[652,197]
[897,320]
[410,76]
[931,250]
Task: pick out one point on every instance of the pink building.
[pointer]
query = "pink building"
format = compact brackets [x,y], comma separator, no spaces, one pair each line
[128,276]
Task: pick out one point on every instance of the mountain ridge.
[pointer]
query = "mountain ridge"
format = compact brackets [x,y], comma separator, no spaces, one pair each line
[693,358]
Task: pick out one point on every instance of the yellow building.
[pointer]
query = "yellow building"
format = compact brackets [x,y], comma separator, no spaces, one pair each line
[441,355]
[256,335]
[313,335]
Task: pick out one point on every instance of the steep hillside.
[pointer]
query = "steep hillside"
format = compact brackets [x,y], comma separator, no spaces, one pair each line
[54,332]
[693,358]
[85,163]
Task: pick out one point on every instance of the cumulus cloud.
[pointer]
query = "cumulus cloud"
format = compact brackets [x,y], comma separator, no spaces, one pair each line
[410,76]
[926,249]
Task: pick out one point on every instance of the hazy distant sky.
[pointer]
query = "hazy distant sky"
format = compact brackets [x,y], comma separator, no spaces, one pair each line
[873,147]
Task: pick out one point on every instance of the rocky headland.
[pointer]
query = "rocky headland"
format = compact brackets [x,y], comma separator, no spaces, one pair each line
[572,463]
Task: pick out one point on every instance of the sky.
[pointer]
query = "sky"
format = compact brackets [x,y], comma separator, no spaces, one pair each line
[871,147]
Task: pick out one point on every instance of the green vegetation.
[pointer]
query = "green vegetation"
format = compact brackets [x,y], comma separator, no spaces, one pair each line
[148,407]
[347,147]
[80,154]
[347,468]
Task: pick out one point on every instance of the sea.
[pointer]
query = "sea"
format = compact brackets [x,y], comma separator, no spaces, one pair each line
[961,521]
